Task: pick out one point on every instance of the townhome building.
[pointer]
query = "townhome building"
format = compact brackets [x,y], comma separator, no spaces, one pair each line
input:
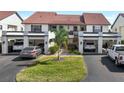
[10,21]
[88,27]
[118,25]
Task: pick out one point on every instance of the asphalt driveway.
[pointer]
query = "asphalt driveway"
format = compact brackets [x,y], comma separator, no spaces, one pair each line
[10,65]
[102,69]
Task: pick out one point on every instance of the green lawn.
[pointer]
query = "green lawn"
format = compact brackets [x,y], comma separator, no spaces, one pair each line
[47,69]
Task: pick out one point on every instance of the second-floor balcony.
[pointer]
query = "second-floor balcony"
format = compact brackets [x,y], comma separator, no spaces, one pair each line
[72,34]
[99,34]
[23,33]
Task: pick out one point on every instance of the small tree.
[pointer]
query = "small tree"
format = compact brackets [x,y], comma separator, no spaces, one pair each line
[60,39]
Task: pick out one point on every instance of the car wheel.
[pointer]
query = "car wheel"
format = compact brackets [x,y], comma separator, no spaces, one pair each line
[116,62]
[107,54]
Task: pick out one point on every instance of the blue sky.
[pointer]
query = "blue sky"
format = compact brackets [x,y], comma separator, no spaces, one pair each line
[110,15]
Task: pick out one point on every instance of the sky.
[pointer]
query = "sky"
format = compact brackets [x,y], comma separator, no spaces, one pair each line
[110,15]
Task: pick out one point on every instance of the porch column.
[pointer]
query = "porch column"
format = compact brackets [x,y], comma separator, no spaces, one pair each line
[26,39]
[80,42]
[4,45]
[100,42]
[46,46]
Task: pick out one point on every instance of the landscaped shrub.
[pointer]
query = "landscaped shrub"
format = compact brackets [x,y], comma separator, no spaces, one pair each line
[53,49]
[72,46]
[74,52]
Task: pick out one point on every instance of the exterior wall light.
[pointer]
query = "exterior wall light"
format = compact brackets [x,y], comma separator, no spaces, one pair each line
[3,42]
[80,43]
[46,43]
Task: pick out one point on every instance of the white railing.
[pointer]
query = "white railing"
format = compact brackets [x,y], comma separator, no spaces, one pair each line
[22,33]
[98,34]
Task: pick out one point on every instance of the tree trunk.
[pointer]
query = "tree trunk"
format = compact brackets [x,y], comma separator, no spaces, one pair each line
[59,54]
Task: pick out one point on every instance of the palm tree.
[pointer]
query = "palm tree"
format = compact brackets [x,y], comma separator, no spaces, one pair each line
[60,39]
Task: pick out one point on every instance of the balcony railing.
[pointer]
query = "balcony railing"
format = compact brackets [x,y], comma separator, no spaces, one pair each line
[98,34]
[75,33]
[23,33]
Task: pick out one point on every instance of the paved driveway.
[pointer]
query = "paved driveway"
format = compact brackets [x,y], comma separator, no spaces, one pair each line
[10,65]
[102,69]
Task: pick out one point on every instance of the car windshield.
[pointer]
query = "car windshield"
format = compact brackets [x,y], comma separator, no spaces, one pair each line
[18,43]
[120,48]
[28,48]
[90,43]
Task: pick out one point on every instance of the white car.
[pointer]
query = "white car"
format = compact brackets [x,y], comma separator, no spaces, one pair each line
[117,54]
[89,46]
[18,46]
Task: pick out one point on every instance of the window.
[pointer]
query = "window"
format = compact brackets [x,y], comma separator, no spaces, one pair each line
[97,28]
[120,48]
[0,27]
[52,27]
[12,27]
[61,27]
[36,28]
[75,28]
[113,48]
[82,28]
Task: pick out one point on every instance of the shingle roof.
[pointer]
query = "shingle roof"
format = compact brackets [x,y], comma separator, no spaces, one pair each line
[54,18]
[95,19]
[4,14]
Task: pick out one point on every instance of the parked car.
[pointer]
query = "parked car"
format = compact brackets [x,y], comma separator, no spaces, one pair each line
[30,52]
[117,54]
[18,46]
[90,46]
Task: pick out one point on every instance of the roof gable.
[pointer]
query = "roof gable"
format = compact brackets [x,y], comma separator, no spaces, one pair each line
[5,14]
[95,19]
[120,14]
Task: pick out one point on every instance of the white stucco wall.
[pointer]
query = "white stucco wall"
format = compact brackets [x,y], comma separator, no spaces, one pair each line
[11,20]
[27,27]
[89,28]
[45,28]
[105,28]
[119,23]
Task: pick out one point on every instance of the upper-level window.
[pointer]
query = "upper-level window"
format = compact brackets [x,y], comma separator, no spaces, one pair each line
[75,28]
[52,27]
[82,28]
[61,27]
[12,27]
[1,27]
[97,28]
[36,28]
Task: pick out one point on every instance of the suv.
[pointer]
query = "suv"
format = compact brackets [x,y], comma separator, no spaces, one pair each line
[18,46]
[90,46]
